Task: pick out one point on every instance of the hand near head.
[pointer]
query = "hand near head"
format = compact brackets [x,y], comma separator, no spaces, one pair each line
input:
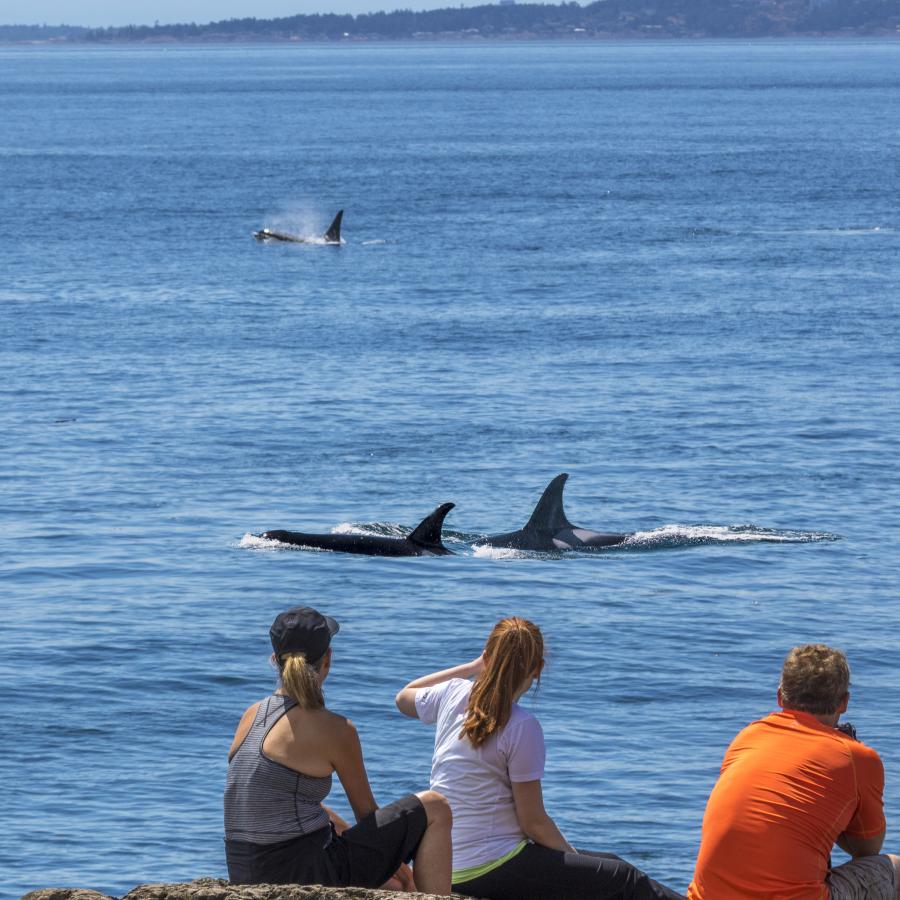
[406,698]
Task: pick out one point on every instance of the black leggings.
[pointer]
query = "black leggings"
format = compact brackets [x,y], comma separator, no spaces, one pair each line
[538,873]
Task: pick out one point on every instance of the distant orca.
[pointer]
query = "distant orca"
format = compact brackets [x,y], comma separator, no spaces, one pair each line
[424,540]
[332,236]
[549,530]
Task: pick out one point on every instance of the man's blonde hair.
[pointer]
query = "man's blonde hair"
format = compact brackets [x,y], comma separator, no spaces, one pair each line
[814,679]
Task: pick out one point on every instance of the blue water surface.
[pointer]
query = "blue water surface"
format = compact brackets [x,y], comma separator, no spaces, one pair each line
[669,269]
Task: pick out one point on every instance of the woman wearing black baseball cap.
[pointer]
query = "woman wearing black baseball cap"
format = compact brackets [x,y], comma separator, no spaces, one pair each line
[277,830]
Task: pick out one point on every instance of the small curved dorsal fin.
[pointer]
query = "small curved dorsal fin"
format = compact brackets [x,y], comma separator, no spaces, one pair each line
[549,515]
[333,235]
[428,532]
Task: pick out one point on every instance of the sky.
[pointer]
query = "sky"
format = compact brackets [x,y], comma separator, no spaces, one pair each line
[146,12]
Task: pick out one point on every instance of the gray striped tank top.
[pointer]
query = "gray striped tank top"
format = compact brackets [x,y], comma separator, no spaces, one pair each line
[266,802]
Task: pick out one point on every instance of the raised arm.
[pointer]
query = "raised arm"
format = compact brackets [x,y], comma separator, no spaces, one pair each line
[533,818]
[406,698]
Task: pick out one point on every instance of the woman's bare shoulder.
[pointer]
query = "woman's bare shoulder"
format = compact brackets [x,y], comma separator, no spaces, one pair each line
[335,725]
[325,719]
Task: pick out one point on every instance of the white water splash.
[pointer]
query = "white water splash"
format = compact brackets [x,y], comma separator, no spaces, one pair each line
[319,240]
[300,221]
[257,542]
[486,551]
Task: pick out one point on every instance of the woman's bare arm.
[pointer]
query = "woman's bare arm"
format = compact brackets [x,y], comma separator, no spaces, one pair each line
[533,818]
[406,698]
[347,760]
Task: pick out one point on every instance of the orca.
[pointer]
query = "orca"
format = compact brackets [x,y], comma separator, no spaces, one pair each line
[332,236]
[423,540]
[549,531]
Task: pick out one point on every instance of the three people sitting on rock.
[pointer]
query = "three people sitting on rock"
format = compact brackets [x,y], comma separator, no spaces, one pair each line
[791,786]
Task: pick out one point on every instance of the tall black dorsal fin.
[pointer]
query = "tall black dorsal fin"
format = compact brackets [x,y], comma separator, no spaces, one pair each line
[549,515]
[333,235]
[428,532]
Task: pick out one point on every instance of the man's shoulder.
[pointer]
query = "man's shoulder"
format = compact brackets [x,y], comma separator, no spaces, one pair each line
[788,733]
[790,729]
[860,752]
[756,727]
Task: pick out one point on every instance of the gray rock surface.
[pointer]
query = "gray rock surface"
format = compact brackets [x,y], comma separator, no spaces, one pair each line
[216,889]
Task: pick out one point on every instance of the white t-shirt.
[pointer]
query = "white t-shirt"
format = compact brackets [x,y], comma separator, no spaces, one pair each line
[477,781]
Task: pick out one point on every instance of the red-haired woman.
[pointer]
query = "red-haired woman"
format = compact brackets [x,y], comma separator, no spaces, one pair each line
[488,762]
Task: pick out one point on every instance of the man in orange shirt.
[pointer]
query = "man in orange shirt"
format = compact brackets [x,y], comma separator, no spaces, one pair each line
[791,786]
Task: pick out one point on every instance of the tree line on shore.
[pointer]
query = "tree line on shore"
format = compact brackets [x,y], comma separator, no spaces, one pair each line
[627,18]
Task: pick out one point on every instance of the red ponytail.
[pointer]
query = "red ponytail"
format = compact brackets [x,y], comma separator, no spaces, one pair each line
[513,653]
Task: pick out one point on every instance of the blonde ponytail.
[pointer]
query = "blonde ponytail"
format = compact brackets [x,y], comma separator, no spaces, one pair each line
[300,681]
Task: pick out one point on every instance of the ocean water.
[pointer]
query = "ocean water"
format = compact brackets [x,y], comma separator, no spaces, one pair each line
[669,269]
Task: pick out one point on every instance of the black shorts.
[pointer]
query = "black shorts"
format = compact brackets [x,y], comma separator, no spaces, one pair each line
[365,855]
[537,873]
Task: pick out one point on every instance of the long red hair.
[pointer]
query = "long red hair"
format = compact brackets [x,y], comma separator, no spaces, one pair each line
[513,653]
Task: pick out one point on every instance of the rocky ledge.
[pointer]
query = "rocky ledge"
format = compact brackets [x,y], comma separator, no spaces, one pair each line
[216,889]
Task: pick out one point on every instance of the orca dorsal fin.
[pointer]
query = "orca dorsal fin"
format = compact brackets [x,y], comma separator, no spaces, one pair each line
[333,235]
[549,515]
[428,532]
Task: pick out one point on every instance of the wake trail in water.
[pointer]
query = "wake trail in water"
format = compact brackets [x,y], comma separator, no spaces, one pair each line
[689,535]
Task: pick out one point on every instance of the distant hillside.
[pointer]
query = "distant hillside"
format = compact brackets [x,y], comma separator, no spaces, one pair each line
[29,33]
[606,18]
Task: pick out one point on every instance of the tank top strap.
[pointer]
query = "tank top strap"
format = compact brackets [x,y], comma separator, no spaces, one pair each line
[271,709]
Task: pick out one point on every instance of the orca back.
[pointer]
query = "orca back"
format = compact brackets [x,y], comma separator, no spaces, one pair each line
[365,544]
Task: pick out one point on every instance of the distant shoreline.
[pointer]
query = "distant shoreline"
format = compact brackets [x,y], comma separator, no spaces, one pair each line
[510,21]
[447,38]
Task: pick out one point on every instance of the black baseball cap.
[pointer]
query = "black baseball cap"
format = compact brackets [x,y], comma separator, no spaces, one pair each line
[302,629]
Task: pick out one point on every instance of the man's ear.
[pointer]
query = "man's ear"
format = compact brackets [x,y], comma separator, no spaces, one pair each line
[778,697]
[843,707]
